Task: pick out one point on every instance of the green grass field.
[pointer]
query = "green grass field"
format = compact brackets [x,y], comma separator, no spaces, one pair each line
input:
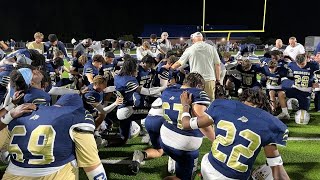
[301,158]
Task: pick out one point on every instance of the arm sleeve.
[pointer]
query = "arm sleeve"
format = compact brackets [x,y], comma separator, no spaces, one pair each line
[185,57]
[86,149]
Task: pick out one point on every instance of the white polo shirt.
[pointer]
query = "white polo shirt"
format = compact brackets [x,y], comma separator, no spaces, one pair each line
[294,51]
[202,58]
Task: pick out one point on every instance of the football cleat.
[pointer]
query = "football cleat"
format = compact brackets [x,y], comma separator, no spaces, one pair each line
[137,158]
[283,116]
[171,165]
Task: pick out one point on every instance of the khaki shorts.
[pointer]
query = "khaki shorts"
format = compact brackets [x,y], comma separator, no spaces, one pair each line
[209,88]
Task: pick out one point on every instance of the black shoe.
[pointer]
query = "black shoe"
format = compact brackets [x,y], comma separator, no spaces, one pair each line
[135,167]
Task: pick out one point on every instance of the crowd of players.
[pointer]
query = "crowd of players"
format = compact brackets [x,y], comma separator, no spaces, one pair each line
[57,116]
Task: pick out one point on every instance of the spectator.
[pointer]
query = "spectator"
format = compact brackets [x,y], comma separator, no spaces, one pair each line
[144,50]
[294,48]
[278,45]
[12,44]
[204,59]
[37,44]
[82,47]
[317,50]
[53,45]
[164,43]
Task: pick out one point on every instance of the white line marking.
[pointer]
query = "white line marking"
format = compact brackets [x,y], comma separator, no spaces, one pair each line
[304,139]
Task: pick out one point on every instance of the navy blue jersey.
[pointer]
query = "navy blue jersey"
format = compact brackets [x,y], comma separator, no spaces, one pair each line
[161,73]
[154,46]
[107,68]
[91,97]
[5,74]
[240,132]
[303,77]
[37,96]
[145,76]
[42,139]
[78,67]
[126,87]
[249,78]
[274,79]
[173,108]
[89,68]
[25,52]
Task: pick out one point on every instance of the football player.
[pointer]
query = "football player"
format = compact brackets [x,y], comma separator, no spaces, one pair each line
[300,82]
[91,69]
[241,129]
[273,74]
[52,146]
[183,145]
[128,88]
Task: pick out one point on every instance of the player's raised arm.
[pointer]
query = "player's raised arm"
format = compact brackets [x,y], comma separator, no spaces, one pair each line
[274,160]
[195,122]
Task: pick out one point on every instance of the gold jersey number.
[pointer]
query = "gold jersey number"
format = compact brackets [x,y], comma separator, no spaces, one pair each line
[44,149]
[239,150]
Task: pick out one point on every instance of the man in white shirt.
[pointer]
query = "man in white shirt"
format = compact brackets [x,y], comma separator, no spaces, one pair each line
[204,59]
[294,48]
[278,45]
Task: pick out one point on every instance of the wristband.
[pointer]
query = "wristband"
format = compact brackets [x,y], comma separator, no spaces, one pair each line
[185,114]
[9,107]
[7,118]
[194,123]
[276,161]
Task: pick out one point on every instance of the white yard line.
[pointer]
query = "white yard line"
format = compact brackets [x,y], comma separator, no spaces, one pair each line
[303,139]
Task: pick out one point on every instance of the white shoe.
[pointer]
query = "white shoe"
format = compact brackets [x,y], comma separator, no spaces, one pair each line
[171,165]
[145,139]
[284,116]
[101,142]
[137,158]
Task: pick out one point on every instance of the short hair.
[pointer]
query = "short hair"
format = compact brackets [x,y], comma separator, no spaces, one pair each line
[164,33]
[170,53]
[227,54]
[194,80]
[147,59]
[153,36]
[83,59]
[58,53]
[293,38]
[98,58]
[129,67]
[172,59]
[99,80]
[300,58]
[272,63]
[52,37]
[275,53]
[38,35]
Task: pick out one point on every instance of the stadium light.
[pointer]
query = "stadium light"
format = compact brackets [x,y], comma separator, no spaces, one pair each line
[181,39]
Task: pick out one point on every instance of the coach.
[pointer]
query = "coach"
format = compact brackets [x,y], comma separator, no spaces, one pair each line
[204,59]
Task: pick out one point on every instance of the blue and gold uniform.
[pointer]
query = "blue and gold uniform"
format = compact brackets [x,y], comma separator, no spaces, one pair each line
[249,78]
[181,145]
[241,131]
[299,83]
[44,141]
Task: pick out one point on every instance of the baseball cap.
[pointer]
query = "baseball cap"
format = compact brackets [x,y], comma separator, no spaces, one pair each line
[109,54]
[196,34]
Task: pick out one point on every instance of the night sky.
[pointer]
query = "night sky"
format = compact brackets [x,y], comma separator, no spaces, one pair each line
[112,18]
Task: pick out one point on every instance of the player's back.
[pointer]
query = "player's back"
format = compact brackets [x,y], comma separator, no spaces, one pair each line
[173,108]
[241,131]
[42,139]
[126,86]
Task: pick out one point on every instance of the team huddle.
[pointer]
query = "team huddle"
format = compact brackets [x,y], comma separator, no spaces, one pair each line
[56,117]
